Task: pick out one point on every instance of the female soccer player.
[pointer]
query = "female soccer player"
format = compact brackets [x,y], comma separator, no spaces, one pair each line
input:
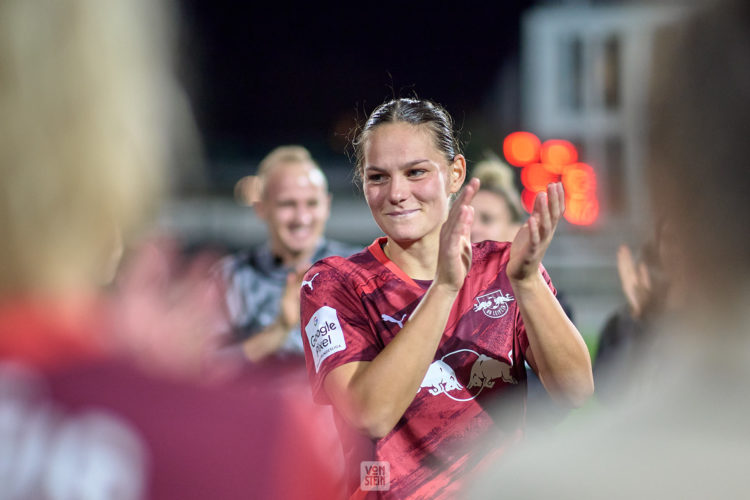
[412,339]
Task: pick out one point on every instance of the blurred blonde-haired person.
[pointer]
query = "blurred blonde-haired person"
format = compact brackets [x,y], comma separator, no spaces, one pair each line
[87,106]
[498,214]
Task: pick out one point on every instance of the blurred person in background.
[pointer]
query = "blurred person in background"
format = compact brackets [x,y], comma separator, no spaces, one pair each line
[86,96]
[685,434]
[262,285]
[654,288]
[498,214]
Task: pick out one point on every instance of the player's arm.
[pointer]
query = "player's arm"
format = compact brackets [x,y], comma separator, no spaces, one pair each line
[373,396]
[556,350]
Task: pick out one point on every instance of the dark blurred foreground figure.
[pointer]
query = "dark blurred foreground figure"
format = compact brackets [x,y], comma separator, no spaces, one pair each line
[685,434]
[86,91]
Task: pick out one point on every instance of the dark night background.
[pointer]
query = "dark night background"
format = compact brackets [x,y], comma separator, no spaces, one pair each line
[268,74]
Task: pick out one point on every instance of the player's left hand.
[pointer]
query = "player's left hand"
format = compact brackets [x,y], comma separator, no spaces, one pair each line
[289,307]
[534,237]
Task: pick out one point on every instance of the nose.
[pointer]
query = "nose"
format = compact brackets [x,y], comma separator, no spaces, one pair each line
[303,215]
[478,233]
[398,190]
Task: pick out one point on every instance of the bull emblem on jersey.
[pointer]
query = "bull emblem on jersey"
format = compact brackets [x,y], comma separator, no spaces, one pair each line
[486,370]
[493,304]
[440,378]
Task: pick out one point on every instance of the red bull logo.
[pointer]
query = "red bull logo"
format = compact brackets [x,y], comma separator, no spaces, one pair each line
[493,304]
[485,372]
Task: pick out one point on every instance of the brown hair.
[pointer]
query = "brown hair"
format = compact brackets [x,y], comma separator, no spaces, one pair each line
[414,112]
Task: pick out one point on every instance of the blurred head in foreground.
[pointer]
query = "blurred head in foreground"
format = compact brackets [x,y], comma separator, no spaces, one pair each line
[700,110]
[87,108]
[85,92]
[679,436]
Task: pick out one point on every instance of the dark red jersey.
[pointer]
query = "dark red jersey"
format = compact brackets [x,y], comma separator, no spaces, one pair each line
[352,308]
[78,422]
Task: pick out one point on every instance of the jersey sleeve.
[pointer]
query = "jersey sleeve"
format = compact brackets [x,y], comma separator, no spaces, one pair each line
[523,339]
[334,324]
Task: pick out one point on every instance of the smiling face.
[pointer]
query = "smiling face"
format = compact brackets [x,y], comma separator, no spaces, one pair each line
[295,206]
[407,181]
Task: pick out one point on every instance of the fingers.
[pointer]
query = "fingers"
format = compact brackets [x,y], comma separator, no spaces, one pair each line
[541,207]
[625,264]
[534,234]
[548,208]
[466,195]
[458,209]
[556,195]
[294,280]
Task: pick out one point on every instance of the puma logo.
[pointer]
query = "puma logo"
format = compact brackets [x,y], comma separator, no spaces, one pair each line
[394,320]
[309,283]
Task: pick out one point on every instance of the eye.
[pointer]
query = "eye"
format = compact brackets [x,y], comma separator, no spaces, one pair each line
[313,203]
[374,177]
[416,172]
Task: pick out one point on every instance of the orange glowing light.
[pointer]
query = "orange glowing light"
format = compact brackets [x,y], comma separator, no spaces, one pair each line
[535,177]
[556,153]
[579,181]
[581,211]
[521,148]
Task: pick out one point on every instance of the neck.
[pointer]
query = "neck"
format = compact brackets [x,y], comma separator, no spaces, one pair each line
[417,259]
[294,259]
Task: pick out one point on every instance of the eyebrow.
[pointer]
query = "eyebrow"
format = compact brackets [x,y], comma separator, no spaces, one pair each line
[402,167]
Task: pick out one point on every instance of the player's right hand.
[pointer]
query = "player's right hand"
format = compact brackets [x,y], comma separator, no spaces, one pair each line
[454,256]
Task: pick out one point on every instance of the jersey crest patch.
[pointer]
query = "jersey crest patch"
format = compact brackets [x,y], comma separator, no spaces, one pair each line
[493,304]
[324,334]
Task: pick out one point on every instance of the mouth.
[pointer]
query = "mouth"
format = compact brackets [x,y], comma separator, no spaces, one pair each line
[300,232]
[401,214]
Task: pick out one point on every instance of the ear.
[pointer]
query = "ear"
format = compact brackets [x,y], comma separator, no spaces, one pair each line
[456,174]
[261,209]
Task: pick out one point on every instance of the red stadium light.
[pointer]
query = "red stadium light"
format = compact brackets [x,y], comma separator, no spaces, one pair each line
[521,148]
[556,153]
[581,211]
[579,181]
[535,177]
[554,160]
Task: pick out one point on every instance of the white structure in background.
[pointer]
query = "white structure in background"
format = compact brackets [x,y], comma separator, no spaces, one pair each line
[585,73]
[584,78]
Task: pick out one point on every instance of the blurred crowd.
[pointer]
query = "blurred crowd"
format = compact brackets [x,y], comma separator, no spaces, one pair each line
[131,370]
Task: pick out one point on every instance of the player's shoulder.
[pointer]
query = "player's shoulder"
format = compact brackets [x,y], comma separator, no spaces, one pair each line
[246,259]
[341,266]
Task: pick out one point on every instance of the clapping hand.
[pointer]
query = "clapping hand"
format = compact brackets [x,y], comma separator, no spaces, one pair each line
[534,237]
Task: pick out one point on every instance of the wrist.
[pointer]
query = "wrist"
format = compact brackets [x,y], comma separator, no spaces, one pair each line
[284,323]
[444,290]
[528,283]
